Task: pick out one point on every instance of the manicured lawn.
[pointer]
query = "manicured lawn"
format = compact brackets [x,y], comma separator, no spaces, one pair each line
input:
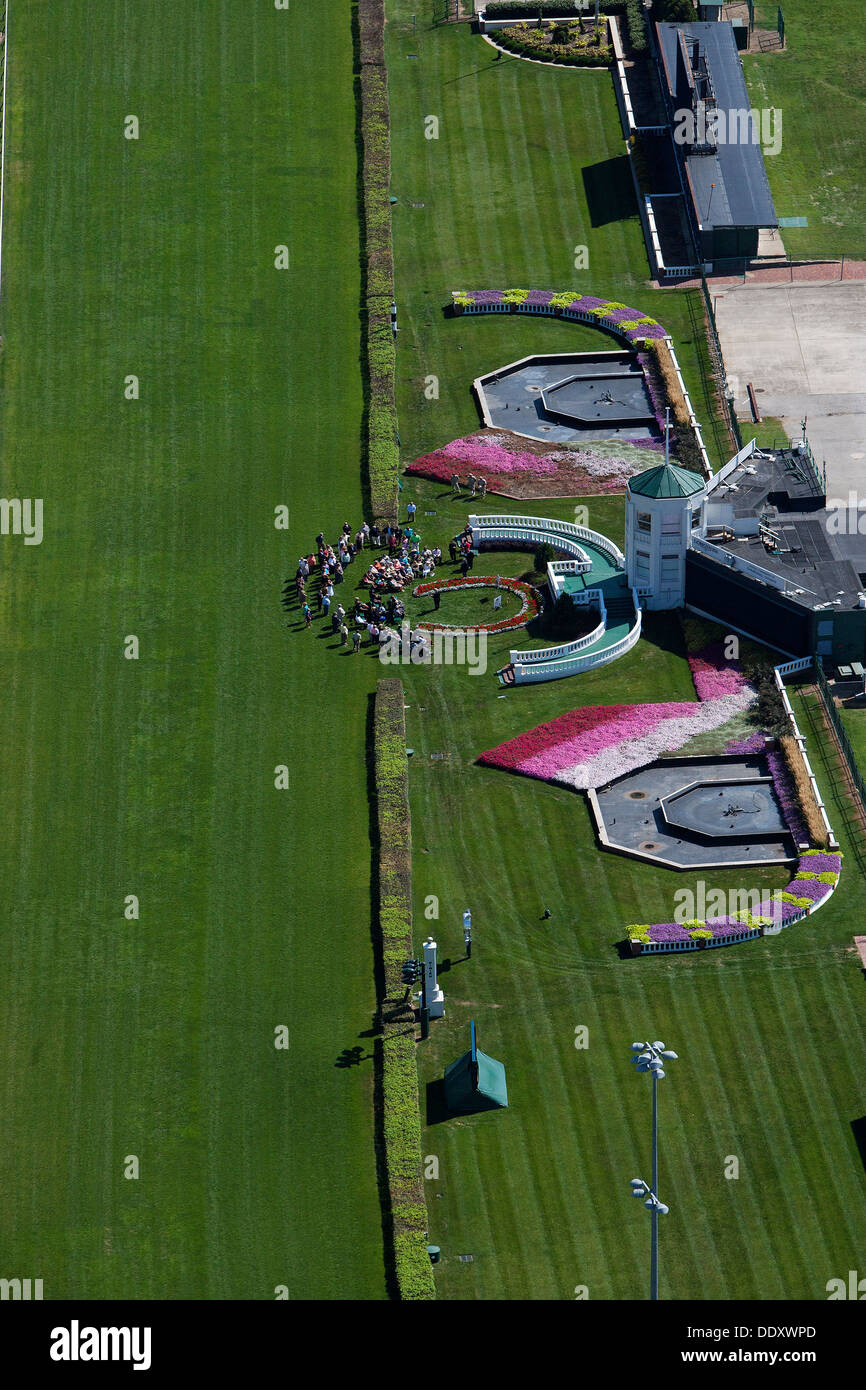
[539,1194]
[818,82]
[528,166]
[155,1037]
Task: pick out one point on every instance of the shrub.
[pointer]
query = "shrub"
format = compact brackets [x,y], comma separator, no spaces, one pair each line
[673,11]
[591,49]
[516,9]
[401,1116]
[701,934]
[383,456]
[635,23]
[544,555]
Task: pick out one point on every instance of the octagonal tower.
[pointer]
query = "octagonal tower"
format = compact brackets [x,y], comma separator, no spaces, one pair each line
[663,505]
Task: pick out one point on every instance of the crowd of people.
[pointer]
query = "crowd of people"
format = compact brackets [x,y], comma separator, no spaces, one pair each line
[403,560]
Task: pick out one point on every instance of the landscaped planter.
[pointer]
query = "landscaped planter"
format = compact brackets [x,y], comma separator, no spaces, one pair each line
[631,325]
[529,597]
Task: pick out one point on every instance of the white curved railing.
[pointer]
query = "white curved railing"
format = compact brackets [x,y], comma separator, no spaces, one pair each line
[540,523]
[567,648]
[553,670]
[597,539]
[527,533]
[499,528]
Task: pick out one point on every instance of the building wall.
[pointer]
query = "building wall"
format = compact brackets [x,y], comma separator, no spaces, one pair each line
[743,603]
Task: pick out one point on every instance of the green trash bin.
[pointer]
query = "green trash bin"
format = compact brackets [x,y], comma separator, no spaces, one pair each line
[435,1254]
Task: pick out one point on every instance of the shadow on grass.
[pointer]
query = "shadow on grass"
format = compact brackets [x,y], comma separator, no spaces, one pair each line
[437,1110]
[609,191]
[858,1129]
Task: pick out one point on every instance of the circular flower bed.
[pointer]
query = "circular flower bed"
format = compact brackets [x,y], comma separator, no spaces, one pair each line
[525,592]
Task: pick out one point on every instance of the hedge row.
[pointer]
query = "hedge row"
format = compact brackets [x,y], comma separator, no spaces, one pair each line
[401,1115]
[636,24]
[383,458]
[556,9]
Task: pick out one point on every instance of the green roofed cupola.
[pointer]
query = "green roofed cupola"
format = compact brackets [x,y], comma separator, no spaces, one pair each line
[666,480]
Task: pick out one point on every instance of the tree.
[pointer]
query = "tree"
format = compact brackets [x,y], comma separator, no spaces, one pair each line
[673,11]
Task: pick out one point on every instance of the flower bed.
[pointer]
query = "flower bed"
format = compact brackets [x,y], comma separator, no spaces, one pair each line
[591,746]
[787,797]
[525,592]
[816,878]
[630,324]
[579,50]
[713,673]
[509,466]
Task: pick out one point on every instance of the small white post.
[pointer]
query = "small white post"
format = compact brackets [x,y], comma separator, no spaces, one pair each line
[435,997]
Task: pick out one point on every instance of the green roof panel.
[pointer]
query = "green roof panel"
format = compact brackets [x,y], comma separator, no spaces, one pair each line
[666,480]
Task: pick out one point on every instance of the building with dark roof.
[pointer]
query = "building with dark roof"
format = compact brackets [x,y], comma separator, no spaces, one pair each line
[717,139]
[757,548]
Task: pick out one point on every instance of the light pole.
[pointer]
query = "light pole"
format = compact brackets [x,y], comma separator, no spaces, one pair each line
[467,933]
[650,1056]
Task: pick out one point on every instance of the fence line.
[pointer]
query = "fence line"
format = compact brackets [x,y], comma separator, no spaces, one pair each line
[839,729]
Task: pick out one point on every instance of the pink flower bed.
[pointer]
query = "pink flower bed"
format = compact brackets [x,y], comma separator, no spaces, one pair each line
[714,674]
[590,747]
[487,454]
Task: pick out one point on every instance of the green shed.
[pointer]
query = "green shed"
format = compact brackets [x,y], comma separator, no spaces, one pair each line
[475,1081]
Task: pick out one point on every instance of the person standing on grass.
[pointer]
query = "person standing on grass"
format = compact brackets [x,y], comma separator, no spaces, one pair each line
[455,485]
[470,483]
[344,635]
[410,511]
[356,641]
[482,487]
[326,603]
[452,550]
[308,615]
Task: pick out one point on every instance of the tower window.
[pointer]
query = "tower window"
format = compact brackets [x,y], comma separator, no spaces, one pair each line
[644,521]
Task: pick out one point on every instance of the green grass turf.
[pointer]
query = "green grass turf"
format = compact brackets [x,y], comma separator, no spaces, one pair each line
[530,164]
[818,83]
[539,1194]
[156,777]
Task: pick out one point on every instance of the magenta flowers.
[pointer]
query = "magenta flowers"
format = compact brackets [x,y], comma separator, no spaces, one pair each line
[571,469]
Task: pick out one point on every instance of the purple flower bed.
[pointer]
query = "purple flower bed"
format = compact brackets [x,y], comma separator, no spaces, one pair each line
[656,400]
[809,888]
[646,330]
[668,931]
[820,864]
[787,797]
[782,912]
[755,743]
[581,304]
[657,445]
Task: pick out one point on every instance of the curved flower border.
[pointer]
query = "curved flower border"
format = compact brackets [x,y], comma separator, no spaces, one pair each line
[525,592]
[632,325]
[815,880]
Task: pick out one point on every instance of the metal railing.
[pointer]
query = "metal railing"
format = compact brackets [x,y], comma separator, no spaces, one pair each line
[839,729]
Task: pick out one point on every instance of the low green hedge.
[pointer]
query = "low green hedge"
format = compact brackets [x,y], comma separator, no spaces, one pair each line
[550,9]
[635,23]
[401,1113]
[383,456]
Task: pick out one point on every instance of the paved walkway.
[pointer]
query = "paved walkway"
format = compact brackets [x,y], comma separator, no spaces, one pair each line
[802,347]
